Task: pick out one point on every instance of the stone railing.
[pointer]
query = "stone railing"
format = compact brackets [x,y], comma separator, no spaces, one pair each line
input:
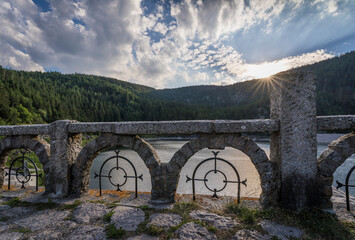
[291,177]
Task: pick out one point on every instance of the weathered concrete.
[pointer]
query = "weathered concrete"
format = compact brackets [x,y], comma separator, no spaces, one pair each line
[178,127]
[294,147]
[258,157]
[164,220]
[89,213]
[246,234]
[194,231]
[127,218]
[34,143]
[35,129]
[281,231]
[215,220]
[346,122]
[42,219]
[64,149]
[330,159]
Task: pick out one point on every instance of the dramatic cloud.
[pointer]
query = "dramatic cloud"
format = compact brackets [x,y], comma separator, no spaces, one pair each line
[173,43]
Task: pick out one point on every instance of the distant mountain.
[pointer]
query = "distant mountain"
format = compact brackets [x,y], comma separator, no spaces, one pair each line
[36,97]
[335,89]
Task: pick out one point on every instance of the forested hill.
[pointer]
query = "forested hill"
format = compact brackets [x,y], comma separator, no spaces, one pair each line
[35,97]
[335,89]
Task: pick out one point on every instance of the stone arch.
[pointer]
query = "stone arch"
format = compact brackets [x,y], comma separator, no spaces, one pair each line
[264,166]
[330,159]
[34,143]
[81,168]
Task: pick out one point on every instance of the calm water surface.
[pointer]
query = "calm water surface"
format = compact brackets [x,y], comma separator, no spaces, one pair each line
[166,149]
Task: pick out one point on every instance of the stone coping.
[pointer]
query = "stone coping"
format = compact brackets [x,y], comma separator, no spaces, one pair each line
[339,122]
[178,127]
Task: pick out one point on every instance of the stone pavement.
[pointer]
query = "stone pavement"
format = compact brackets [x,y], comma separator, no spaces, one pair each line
[28,215]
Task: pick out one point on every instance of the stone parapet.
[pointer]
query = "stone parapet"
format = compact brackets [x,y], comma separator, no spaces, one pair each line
[345,122]
[36,129]
[178,127]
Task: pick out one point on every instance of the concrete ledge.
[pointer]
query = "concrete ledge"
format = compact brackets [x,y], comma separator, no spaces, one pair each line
[178,127]
[35,129]
[345,122]
[340,122]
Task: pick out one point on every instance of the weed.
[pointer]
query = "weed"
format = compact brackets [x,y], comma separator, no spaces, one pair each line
[107,217]
[185,208]
[4,219]
[70,206]
[199,222]
[98,201]
[113,233]
[212,229]
[316,223]
[22,230]
[112,205]
[246,215]
[15,202]
[45,205]
[146,207]
[154,230]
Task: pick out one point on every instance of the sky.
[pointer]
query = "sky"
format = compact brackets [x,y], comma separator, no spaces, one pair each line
[169,43]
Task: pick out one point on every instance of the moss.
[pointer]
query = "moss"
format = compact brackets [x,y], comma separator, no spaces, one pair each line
[246,215]
[22,230]
[154,230]
[70,206]
[185,208]
[4,219]
[46,205]
[107,217]
[316,223]
[113,233]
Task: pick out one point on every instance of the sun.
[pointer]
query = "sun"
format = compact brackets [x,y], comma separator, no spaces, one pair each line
[266,69]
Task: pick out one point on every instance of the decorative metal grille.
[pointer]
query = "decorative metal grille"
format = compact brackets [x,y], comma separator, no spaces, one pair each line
[23,173]
[215,171]
[346,185]
[121,171]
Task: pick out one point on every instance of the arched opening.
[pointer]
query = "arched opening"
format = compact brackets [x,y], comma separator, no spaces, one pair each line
[182,162]
[129,164]
[24,162]
[334,163]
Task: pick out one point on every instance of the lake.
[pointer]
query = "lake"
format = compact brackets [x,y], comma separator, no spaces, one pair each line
[167,147]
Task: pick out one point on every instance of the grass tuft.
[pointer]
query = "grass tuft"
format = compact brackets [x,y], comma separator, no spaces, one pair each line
[113,233]
[107,217]
[184,208]
[154,230]
[70,206]
[22,230]
[4,219]
[246,215]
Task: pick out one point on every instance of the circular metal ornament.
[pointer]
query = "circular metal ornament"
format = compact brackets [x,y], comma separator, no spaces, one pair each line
[20,172]
[124,176]
[215,172]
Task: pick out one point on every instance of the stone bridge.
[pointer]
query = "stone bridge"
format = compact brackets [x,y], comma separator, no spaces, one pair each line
[292,177]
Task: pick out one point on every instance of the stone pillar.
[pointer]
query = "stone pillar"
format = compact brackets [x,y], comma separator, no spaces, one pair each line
[294,147]
[65,148]
[3,161]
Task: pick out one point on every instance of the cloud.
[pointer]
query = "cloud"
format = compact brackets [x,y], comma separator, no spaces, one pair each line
[171,44]
[13,58]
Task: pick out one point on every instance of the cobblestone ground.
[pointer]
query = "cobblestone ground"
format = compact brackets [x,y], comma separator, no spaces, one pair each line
[25,214]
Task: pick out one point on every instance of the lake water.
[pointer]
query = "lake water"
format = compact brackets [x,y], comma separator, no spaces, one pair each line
[167,147]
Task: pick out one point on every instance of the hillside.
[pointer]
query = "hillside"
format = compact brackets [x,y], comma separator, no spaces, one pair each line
[35,97]
[335,89]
